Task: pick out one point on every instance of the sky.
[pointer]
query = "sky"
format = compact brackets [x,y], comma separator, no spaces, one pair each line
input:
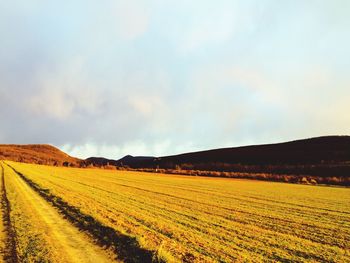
[161,77]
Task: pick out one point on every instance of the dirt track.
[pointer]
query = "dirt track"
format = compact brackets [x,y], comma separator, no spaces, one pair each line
[3,234]
[73,245]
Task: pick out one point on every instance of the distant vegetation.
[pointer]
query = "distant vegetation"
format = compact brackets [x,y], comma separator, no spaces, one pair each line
[287,178]
[146,217]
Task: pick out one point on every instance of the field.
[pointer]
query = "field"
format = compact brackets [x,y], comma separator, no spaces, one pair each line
[95,215]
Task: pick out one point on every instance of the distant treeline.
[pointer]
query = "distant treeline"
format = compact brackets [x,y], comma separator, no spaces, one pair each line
[288,178]
[331,174]
[304,174]
[320,170]
[322,159]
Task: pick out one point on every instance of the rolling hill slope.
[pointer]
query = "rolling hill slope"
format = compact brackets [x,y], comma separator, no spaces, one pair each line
[38,154]
[328,156]
[330,149]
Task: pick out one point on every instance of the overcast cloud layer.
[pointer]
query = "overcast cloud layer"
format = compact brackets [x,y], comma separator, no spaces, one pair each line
[162,77]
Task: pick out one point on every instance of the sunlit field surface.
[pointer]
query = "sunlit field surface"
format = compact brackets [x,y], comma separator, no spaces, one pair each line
[198,219]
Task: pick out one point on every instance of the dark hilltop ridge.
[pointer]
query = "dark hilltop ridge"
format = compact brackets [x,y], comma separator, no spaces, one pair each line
[322,159]
[127,160]
[320,150]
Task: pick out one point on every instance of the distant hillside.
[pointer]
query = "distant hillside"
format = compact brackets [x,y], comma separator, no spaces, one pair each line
[328,156]
[38,154]
[100,161]
[328,149]
[125,161]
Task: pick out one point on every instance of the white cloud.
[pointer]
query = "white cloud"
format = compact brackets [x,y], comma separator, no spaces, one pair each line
[136,148]
[64,92]
[52,103]
[146,105]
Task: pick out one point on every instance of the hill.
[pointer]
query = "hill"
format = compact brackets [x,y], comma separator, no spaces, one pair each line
[127,160]
[99,161]
[328,156]
[330,149]
[38,154]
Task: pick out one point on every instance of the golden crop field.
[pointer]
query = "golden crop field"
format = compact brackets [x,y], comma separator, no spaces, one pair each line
[143,217]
